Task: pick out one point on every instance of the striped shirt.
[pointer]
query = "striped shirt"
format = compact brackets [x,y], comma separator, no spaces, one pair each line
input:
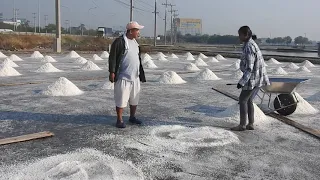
[253,67]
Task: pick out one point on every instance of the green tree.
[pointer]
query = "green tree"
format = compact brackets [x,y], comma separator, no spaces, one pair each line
[288,40]
[301,40]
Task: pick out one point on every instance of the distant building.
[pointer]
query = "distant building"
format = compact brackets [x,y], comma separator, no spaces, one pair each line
[189,26]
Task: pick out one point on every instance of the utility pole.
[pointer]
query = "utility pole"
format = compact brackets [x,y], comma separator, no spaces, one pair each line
[34,22]
[172,11]
[16,18]
[39,16]
[165,22]
[70,27]
[57,47]
[66,27]
[46,23]
[155,23]
[14,15]
[175,15]
[131,10]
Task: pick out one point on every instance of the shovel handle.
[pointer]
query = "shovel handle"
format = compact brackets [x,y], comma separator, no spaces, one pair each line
[231,84]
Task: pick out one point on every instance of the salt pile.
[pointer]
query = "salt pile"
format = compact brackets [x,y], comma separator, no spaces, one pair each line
[235,65]
[213,60]
[161,58]
[200,62]
[37,55]
[307,64]
[48,67]
[48,59]
[274,61]
[80,60]
[191,67]
[171,77]
[202,56]
[173,56]
[303,107]
[236,74]
[82,164]
[160,54]
[233,112]
[190,58]
[315,97]
[145,59]
[90,66]
[279,71]
[220,57]
[188,54]
[96,58]
[2,55]
[73,54]
[6,70]
[207,74]
[150,64]
[14,57]
[238,61]
[108,85]
[292,66]
[9,62]
[303,69]
[265,64]
[146,55]
[62,87]
[104,55]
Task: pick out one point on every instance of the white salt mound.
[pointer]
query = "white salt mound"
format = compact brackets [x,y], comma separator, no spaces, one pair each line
[48,59]
[303,69]
[171,77]
[161,58]
[220,57]
[48,67]
[108,85]
[315,97]
[235,65]
[191,67]
[90,66]
[173,56]
[2,55]
[188,54]
[14,57]
[190,58]
[307,64]
[265,64]
[202,56]
[9,62]
[104,55]
[303,107]
[81,60]
[200,62]
[207,74]
[62,87]
[274,61]
[160,54]
[213,60]
[292,66]
[96,58]
[145,59]
[279,71]
[146,55]
[6,70]
[233,112]
[82,164]
[37,55]
[73,54]
[238,61]
[237,74]
[150,64]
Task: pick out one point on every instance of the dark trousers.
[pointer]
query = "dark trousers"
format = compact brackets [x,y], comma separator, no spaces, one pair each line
[246,105]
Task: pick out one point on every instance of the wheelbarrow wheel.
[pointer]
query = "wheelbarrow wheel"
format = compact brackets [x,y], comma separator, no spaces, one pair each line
[287,104]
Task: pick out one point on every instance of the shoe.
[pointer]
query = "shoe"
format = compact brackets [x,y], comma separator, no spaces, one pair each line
[250,127]
[134,120]
[120,124]
[238,128]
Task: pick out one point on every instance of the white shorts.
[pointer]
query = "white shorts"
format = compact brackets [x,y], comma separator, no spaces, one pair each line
[126,91]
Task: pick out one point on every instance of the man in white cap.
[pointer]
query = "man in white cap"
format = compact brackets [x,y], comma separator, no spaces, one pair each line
[126,71]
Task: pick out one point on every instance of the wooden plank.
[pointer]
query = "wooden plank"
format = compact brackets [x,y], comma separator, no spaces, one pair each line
[26,137]
[313,132]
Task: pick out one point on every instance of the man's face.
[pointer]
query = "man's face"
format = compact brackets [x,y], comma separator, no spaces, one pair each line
[135,33]
[242,37]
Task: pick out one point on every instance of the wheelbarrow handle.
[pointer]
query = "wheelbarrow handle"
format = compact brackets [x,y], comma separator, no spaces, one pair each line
[231,84]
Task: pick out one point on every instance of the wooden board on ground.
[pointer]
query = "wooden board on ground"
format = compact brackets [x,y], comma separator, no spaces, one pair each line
[281,118]
[26,137]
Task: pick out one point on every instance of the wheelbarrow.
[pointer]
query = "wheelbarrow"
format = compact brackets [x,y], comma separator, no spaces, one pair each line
[285,102]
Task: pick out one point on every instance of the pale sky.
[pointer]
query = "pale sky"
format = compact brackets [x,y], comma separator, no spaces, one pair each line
[265,17]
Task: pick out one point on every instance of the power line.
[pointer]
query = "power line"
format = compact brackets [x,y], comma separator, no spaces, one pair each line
[165,21]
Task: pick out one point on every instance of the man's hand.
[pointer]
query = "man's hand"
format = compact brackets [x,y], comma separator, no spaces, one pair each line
[239,86]
[111,77]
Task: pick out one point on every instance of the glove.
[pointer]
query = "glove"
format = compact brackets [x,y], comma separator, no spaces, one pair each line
[239,86]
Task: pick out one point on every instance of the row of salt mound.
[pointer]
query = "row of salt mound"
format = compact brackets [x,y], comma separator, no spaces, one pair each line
[48,59]
[6,70]
[90,66]
[207,74]
[2,55]
[36,55]
[9,62]
[48,67]
[62,87]
[104,55]
[200,62]
[150,64]
[14,57]
[96,58]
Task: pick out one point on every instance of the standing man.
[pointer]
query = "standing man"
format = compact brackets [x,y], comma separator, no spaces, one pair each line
[126,71]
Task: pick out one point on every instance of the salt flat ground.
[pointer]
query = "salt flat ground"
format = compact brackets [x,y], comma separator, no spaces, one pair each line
[185,133]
